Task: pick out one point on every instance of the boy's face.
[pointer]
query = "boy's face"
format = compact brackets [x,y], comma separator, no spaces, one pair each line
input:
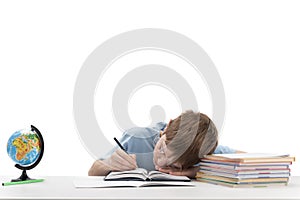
[160,153]
[162,156]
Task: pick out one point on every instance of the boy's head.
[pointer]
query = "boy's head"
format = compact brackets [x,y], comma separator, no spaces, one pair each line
[185,140]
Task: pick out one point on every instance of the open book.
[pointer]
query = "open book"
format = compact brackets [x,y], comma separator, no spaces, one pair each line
[141,174]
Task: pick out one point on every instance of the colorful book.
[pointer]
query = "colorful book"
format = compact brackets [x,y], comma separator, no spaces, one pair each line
[245,171]
[245,176]
[238,180]
[251,157]
[245,166]
[246,185]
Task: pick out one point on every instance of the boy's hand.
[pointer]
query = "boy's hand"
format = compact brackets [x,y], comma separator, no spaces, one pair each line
[190,172]
[121,161]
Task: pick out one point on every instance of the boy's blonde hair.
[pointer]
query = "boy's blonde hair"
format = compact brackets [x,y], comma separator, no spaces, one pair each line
[191,136]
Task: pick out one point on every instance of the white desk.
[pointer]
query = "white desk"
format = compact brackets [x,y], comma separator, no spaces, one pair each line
[63,188]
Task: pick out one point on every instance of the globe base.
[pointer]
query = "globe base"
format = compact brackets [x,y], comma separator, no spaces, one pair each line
[23,177]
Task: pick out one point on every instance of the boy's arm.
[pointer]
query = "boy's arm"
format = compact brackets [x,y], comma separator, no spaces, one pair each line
[99,168]
[192,171]
[118,161]
[225,149]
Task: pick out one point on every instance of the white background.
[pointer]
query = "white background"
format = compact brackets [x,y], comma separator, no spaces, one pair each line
[255,46]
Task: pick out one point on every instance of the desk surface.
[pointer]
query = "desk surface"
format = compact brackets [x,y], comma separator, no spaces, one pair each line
[60,187]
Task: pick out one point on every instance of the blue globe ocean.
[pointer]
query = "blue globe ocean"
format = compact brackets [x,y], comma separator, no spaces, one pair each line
[23,147]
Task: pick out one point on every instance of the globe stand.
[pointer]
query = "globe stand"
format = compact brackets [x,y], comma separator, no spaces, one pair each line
[24,175]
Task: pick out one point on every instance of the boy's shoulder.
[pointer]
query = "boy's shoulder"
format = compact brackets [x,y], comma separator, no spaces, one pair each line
[224,149]
[144,132]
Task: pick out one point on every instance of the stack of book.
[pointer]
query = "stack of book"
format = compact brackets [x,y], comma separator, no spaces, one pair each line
[245,169]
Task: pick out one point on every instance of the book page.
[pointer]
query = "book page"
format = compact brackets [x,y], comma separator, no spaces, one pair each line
[135,171]
[141,174]
[137,174]
[157,175]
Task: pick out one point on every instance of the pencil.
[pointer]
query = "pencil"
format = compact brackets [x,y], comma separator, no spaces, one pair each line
[22,182]
[119,144]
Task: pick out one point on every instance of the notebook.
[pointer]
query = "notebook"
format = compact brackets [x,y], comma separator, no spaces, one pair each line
[141,174]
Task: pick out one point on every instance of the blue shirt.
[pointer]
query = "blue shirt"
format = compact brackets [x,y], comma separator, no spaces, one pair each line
[142,140]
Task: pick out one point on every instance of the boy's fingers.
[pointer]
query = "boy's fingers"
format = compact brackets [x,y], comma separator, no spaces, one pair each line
[126,160]
[178,173]
[134,159]
[121,163]
[126,157]
[164,170]
[129,158]
[117,162]
[190,172]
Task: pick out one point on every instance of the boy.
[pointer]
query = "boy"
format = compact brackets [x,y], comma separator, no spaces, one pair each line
[175,148]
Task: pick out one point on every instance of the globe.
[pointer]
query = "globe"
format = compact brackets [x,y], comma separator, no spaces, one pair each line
[25,147]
